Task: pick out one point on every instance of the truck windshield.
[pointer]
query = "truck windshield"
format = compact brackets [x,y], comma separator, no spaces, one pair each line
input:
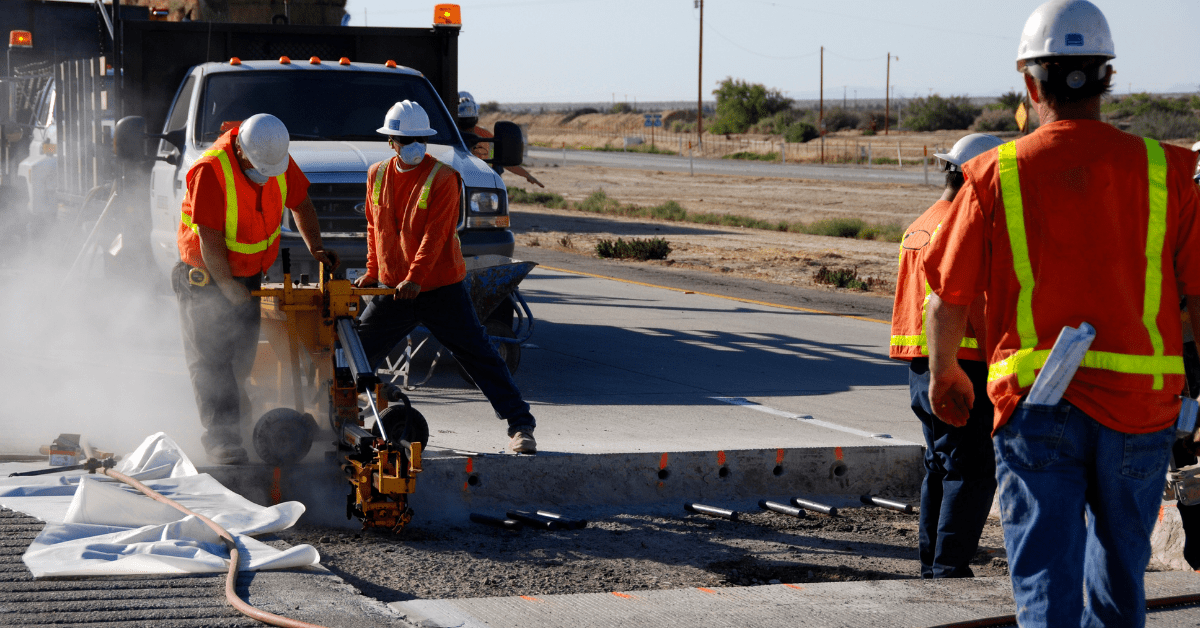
[318,105]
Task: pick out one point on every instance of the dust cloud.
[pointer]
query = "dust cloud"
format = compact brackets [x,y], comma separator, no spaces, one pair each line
[90,341]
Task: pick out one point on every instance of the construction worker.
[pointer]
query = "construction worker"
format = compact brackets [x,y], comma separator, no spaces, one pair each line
[228,237]
[468,122]
[412,212]
[960,468]
[1189,516]
[1077,222]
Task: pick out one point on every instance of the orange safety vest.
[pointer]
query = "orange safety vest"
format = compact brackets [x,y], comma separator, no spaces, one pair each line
[251,231]
[909,312]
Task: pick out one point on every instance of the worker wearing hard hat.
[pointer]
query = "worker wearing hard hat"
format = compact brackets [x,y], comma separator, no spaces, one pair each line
[960,468]
[228,237]
[468,122]
[1077,222]
[1189,516]
[412,212]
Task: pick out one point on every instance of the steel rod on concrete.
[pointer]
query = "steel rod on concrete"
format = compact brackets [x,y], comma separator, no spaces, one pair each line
[574,524]
[815,506]
[496,522]
[886,503]
[712,511]
[534,521]
[782,509]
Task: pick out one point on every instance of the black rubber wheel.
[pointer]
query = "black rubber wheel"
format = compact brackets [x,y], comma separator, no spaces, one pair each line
[404,423]
[283,436]
[510,352]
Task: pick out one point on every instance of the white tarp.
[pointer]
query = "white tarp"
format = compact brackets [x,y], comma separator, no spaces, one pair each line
[96,525]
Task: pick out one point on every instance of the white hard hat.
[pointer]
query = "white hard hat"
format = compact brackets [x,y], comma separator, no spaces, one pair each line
[1065,28]
[264,140]
[968,148]
[407,119]
[1196,147]
[467,107]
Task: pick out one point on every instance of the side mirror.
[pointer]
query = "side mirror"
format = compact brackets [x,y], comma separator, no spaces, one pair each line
[129,138]
[509,145]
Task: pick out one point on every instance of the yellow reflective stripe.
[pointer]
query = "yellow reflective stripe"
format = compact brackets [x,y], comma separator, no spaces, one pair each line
[423,203]
[1156,235]
[919,341]
[282,181]
[377,188]
[231,209]
[1014,218]
[255,247]
[1029,359]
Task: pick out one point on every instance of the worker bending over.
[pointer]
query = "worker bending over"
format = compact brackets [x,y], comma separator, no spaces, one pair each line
[228,237]
[412,212]
[960,467]
[468,122]
[1077,222]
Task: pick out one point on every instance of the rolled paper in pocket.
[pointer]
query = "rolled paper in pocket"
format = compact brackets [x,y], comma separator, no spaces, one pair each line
[1060,367]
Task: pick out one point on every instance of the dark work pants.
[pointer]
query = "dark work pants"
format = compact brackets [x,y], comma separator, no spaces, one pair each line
[1190,515]
[960,476]
[448,314]
[220,342]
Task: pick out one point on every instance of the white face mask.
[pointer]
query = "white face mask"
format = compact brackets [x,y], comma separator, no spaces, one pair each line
[255,176]
[412,154]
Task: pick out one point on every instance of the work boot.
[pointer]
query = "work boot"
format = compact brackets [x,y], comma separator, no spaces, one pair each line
[522,443]
[227,454]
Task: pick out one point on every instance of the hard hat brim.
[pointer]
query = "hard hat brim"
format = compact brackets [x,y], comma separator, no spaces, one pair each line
[273,170]
[945,157]
[1196,147]
[383,130]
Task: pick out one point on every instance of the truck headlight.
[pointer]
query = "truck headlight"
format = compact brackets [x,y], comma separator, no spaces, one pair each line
[484,202]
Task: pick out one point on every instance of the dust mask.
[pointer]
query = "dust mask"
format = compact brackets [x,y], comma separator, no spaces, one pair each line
[255,176]
[412,154]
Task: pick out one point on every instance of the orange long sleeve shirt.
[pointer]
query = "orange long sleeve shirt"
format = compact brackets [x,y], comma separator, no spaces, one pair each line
[406,242]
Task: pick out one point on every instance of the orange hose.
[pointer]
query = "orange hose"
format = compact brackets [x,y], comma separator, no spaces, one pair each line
[231,577]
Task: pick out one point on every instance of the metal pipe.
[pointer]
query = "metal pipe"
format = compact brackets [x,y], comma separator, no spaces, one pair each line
[574,524]
[534,520]
[356,357]
[817,506]
[495,522]
[712,511]
[782,509]
[886,503]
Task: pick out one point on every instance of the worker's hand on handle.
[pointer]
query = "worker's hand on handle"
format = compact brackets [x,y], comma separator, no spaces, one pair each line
[234,292]
[407,290]
[951,395]
[328,258]
[366,281]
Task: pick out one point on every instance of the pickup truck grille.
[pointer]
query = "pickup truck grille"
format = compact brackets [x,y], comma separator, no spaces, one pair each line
[340,207]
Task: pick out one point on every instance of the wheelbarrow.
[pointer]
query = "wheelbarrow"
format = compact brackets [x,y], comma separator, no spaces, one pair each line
[491,280]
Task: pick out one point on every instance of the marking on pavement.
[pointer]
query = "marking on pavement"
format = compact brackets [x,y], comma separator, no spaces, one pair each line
[719,296]
[807,419]
[706,590]
[277,491]
[662,464]
[837,453]
[530,598]
[721,458]
[624,595]
[793,586]
[779,456]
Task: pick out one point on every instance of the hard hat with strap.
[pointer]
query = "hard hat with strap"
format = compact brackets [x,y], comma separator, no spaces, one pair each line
[1064,28]
[1028,359]
[968,148]
[406,119]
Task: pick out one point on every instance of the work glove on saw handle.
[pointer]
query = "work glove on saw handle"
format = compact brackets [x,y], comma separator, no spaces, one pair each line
[328,258]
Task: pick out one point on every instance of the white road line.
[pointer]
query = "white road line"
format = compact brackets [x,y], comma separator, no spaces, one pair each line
[808,419]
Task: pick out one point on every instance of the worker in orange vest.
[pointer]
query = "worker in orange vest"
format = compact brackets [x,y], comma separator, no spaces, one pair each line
[228,237]
[1077,222]
[413,204]
[1190,515]
[960,469]
[468,122]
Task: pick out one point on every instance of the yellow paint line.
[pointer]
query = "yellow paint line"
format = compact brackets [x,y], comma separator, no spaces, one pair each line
[719,296]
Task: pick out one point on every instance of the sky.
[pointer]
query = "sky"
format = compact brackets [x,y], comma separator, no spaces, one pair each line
[647,50]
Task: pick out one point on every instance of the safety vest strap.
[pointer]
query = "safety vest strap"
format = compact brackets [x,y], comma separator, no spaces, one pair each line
[377,185]
[1027,360]
[423,203]
[922,341]
[231,208]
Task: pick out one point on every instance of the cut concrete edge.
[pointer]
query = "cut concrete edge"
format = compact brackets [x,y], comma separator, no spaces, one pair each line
[452,486]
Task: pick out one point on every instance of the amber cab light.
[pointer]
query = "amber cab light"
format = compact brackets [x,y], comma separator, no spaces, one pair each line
[234,61]
[314,60]
[447,14]
[285,60]
[20,39]
[390,63]
[344,61]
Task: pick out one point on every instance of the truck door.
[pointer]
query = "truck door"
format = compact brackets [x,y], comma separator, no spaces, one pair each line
[168,180]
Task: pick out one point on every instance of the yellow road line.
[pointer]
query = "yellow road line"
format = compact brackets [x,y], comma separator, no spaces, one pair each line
[719,296]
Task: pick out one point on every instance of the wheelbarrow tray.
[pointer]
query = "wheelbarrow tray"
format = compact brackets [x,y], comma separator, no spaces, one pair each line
[491,278]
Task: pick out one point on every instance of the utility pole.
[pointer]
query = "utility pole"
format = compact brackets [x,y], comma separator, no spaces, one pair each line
[699,4]
[887,98]
[821,107]
[843,97]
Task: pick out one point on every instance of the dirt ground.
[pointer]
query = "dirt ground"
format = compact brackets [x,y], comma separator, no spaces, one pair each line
[785,258]
[629,552]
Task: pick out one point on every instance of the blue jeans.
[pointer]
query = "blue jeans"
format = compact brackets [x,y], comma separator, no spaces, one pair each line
[1078,501]
[960,476]
[448,314]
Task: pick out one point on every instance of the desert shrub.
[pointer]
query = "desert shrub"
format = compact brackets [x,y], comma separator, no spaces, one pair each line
[752,156]
[1135,105]
[837,119]
[490,106]
[576,113]
[843,279]
[837,227]
[548,199]
[669,210]
[995,121]
[873,121]
[654,248]
[1008,101]
[621,107]
[741,104]
[599,203]
[882,233]
[1154,116]
[679,126]
[936,113]
[800,132]
[1166,125]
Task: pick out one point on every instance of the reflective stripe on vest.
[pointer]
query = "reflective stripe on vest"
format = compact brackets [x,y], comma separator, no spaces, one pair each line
[231,209]
[422,202]
[1028,359]
[922,340]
